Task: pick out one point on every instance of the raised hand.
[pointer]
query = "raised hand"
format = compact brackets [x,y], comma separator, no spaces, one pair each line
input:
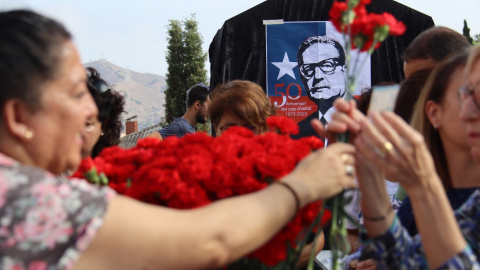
[324,173]
[396,148]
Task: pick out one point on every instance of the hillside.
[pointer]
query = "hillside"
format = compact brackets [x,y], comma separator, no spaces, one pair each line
[143,92]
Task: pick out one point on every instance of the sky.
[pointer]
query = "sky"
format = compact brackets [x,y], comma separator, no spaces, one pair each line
[133,34]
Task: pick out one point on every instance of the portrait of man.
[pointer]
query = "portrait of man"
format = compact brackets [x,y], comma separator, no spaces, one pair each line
[306,71]
[321,62]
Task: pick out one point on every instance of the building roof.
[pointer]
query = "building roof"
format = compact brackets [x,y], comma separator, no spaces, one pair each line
[130,140]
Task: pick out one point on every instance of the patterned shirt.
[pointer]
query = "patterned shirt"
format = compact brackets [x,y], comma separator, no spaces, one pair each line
[396,249]
[456,196]
[46,221]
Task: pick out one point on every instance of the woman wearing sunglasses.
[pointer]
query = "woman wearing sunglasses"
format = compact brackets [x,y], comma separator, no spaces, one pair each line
[104,130]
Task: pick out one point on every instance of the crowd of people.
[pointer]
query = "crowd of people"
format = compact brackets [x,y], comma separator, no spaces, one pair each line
[54,113]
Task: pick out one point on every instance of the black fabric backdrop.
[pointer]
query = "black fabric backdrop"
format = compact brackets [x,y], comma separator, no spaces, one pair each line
[238,49]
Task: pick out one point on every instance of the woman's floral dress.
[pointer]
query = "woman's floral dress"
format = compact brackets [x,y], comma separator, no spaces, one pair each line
[46,221]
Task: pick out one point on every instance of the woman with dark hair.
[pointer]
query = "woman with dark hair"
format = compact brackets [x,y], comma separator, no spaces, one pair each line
[448,241]
[436,117]
[104,130]
[49,222]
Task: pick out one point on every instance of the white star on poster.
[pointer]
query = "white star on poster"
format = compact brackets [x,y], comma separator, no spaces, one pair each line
[286,67]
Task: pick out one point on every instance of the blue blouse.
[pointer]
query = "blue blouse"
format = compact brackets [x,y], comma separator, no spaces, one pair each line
[456,196]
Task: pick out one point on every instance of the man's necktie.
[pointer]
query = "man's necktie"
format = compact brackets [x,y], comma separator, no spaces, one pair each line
[323,120]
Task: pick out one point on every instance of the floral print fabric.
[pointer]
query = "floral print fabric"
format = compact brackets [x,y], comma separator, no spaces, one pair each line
[46,221]
[396,249]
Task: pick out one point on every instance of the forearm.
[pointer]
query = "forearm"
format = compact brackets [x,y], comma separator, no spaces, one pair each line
[375,204]
[136,235]
[436,223]
[233,227]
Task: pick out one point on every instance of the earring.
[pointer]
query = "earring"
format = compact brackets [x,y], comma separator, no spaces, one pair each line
[435,126]
[28,135]
[101,134]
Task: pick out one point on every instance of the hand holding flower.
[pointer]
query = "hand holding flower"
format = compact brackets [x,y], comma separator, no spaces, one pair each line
[346,118]
[322,174]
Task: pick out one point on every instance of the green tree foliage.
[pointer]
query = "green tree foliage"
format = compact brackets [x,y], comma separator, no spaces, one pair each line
[186,64]
[175,92]
[466,32]
[476,39]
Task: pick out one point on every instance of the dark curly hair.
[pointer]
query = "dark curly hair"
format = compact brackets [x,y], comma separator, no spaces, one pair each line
[110,106]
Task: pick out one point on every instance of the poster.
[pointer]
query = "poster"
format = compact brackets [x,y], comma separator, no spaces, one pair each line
[306,71]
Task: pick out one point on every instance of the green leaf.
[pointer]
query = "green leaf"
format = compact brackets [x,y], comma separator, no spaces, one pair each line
[103,179]
[381,33]
[353,3]
[92,176]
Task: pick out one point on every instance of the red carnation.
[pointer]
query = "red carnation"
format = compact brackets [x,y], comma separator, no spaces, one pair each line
[283,124]
[197,169]
[336,14]
[396,28]
[85,165]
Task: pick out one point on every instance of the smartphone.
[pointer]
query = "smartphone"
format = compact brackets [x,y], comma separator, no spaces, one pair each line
[383,98]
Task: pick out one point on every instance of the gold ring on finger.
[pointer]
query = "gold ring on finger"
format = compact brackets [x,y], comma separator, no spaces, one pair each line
[382,152]
[387,147]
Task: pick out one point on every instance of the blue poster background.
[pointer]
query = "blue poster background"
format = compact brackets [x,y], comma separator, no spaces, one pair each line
[284,85]
[281,39]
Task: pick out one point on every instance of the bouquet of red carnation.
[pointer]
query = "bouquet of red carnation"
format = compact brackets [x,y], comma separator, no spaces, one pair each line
[197,169]
[365,32]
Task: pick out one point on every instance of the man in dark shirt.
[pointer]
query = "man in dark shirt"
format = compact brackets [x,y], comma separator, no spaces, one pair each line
[197,103]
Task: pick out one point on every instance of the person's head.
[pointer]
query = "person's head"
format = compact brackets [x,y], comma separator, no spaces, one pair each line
[198,100]
[240,103]
[430,47]
[436,113]
[43,92]
[409,92]
[104,130]
[364,100]
[321,61]
[469,97]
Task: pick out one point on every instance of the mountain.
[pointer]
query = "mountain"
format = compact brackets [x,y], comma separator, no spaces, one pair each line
[143,92]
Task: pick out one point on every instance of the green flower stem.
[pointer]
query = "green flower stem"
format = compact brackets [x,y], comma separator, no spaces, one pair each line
[317,220]
[335,231]
[338,234]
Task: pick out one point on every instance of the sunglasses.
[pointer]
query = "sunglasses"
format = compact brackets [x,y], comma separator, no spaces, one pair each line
[100,85]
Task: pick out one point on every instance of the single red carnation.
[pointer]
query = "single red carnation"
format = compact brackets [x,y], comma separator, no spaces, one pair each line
[85,165]
[336,14]
[283,124]
[397,28]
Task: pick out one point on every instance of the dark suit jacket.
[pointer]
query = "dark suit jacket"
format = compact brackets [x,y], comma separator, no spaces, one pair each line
[305,127]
